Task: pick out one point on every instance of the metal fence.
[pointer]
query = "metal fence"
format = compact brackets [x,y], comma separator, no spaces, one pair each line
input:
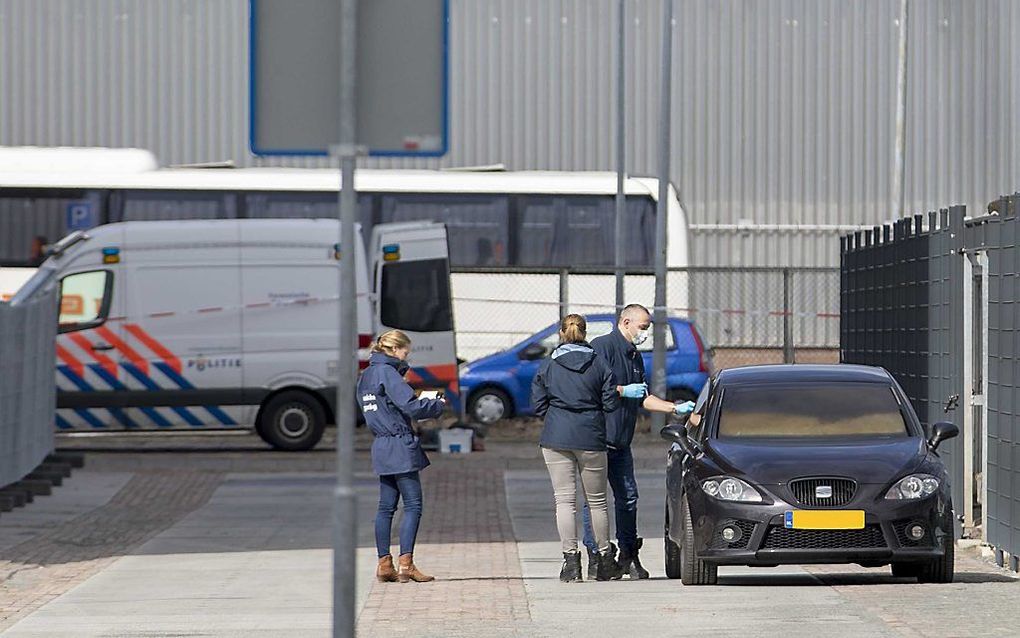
[27,385]
[748,315]
[934,299]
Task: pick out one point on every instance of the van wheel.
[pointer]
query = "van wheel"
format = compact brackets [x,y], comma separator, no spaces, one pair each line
[291,420]
[489,405]
[693,570]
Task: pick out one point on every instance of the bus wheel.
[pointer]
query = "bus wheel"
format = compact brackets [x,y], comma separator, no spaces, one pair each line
[291,420]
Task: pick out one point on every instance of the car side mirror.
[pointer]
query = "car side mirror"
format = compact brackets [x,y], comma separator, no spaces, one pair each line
[940,432]
[677,433]
[532,352]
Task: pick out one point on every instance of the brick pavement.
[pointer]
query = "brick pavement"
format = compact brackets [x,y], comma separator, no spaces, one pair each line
[38,570]
[465,540]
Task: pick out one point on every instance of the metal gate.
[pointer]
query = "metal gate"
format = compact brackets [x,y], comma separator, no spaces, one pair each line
[934,299]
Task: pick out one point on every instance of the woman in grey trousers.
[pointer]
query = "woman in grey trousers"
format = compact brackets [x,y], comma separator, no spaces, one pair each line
[572,391]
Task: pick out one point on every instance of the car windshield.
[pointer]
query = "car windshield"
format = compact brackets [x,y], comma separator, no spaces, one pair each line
[810,411]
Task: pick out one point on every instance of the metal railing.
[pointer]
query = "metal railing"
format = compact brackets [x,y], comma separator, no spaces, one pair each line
[748,315]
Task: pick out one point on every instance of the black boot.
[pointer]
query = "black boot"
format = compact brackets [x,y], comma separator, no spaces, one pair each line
[631,563]
[571,571]
[593,564]
[608,568]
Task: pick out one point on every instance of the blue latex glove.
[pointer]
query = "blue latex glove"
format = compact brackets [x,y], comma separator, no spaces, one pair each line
[680,409]
[634,391]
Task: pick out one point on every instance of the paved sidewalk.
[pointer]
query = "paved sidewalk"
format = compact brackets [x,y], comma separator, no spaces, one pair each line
[153,552]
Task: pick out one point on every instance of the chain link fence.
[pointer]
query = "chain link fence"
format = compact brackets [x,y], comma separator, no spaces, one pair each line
[747,315]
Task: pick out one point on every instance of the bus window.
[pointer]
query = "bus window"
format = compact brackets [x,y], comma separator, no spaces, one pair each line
[477,224]
[563,231]
[160,205]
[31,218]
[276,205]
[415,296]
[84,300]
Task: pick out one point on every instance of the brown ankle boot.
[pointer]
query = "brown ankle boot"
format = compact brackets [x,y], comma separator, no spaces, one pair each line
[385,572]
[409,572]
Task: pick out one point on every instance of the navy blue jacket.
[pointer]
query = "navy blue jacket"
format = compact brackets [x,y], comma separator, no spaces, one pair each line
[572,391]
[628,367]
[389,405]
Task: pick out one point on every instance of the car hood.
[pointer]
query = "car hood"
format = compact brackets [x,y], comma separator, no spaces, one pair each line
[772,462]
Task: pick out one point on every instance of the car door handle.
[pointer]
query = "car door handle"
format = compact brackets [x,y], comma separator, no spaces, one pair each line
[100,347]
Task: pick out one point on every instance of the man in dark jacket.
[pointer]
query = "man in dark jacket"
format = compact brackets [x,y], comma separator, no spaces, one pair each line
[618,350]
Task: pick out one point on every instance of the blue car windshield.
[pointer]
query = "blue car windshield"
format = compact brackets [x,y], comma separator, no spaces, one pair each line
[811,411]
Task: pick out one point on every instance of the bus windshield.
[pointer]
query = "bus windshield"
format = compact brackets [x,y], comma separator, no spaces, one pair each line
[811,411]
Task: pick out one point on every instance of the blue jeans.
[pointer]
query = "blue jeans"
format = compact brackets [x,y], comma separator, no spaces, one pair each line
[393,487]
[625,498]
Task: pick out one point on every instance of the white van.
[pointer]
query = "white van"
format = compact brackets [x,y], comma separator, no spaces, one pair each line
[234,323]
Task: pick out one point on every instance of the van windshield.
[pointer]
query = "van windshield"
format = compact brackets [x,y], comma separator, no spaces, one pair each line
[811,411]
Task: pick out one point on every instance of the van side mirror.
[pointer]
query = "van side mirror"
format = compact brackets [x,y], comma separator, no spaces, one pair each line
[677,433]
[940,432]
[532,352]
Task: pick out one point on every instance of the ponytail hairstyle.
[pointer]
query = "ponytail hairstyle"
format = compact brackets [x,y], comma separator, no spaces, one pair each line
[391,341]
[573,329]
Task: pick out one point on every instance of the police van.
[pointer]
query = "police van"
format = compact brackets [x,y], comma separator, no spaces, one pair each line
[199,324]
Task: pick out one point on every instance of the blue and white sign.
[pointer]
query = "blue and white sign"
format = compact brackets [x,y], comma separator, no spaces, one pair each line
[81,216]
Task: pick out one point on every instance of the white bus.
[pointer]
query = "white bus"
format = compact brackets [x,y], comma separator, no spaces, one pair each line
[497,220]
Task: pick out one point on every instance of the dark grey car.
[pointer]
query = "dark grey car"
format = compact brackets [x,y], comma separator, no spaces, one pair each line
[807,464]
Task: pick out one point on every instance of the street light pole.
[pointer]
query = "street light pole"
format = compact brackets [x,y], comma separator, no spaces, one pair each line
[621,155]
[345,504]
[661,213]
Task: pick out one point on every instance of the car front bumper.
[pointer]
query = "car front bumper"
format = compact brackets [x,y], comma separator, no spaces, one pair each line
[764,539]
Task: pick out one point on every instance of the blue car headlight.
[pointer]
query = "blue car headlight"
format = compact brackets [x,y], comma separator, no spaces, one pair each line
[728,488]
[913,487]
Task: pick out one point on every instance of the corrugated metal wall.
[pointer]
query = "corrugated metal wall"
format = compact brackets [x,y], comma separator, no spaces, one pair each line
[783,109]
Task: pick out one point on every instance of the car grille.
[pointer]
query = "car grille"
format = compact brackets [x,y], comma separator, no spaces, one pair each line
[906,541]
[843,491]
[782,538]
[746,530]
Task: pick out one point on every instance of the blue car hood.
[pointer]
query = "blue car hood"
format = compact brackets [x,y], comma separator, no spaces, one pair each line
[774,462]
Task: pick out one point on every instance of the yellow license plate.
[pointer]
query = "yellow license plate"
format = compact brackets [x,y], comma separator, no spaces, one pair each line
[825,519]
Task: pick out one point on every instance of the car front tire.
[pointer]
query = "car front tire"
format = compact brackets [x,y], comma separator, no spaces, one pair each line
[489,405]
[940,570]
[693,570]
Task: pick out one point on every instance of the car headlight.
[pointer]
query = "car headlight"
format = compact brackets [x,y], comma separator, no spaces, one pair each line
[913,487]
[727,488]
[464,369]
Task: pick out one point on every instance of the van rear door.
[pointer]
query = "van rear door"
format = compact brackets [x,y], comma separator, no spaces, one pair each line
[411,269]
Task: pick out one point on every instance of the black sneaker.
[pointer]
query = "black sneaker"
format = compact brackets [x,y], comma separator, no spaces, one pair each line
[593,564]
[571,571]
[608,568]
[631,563]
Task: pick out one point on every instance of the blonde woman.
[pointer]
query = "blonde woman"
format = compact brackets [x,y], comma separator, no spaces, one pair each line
[572,391]
[389,405]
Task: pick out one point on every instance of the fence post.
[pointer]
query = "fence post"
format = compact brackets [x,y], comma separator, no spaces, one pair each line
[564,292]
[788,356]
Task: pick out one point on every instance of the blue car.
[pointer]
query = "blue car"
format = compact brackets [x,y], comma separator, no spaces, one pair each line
[499,386]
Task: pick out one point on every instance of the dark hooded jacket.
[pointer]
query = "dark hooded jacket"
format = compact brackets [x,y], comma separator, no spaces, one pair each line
[572,391]
[389,405]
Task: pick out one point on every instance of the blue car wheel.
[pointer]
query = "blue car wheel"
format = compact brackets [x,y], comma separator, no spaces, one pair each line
[489,405]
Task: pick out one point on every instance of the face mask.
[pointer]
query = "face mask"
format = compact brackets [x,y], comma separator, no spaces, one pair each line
[640,337]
